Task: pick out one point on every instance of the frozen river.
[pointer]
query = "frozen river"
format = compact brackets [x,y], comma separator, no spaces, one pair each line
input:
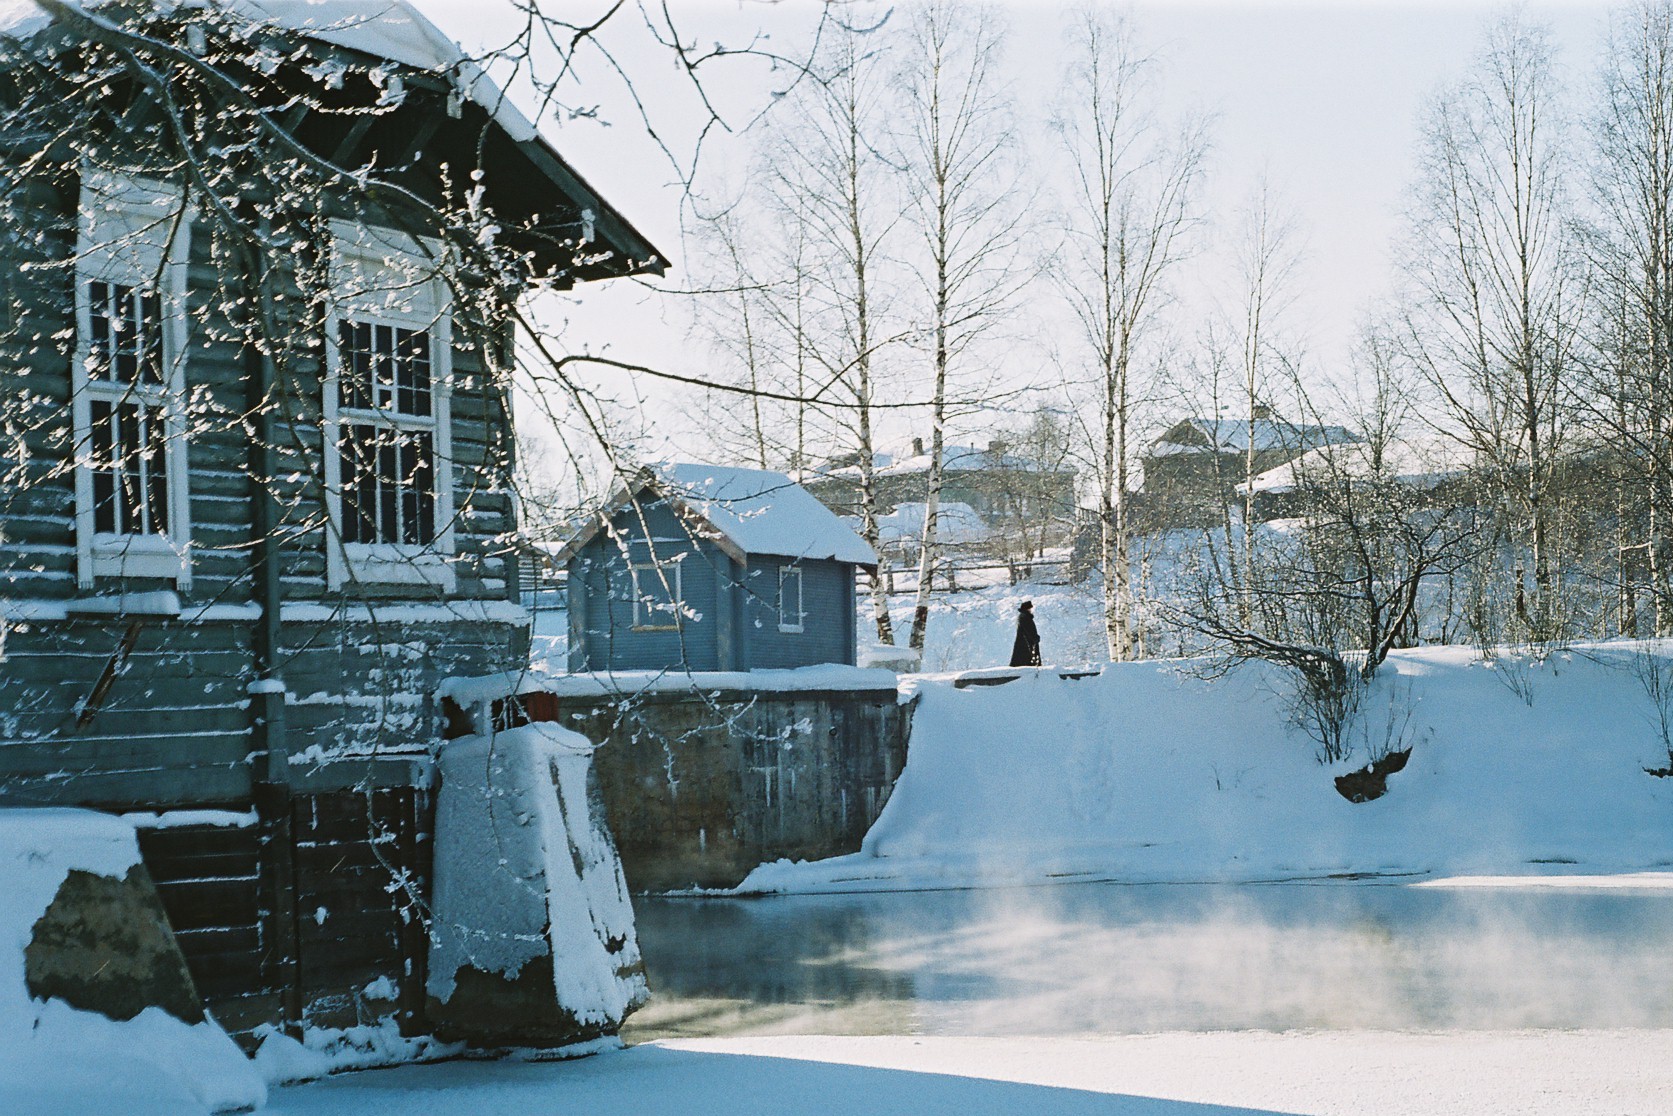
[1105,959]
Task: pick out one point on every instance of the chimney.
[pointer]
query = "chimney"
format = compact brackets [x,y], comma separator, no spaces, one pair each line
[917,447]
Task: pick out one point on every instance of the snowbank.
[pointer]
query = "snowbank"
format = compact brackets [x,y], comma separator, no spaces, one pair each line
[527,876]
[975,629]
[1145,772]
[57,1059]
[323,1051]
[1573,1073]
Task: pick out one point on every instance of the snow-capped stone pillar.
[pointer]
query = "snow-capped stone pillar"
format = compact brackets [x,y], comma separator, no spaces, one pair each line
[532,942]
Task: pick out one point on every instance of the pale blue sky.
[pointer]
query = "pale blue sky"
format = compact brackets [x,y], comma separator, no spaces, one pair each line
[1322,99]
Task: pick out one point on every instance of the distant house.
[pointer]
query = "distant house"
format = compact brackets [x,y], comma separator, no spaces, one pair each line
[1438,468]
[704,568]
[1198,462]
[957,526]
[1002,487]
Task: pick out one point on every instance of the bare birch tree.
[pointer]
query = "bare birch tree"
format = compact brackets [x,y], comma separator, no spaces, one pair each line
[1129,214]
[834,185]
[1631,246]
[1497,290]
[967,208]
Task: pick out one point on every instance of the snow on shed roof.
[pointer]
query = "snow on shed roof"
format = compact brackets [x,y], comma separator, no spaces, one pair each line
[750,511]
[765,512]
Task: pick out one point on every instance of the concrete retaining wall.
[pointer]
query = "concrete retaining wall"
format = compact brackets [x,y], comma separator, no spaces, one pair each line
[701,786]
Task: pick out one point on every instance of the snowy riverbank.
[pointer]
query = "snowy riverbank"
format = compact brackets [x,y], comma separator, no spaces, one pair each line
[1575,1073]
[1146,771]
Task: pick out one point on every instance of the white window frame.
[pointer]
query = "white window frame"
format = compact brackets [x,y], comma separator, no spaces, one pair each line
[361,254]
[666,571]
[786,574]
[132,232]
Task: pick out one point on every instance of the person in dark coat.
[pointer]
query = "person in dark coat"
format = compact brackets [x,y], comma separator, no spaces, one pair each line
[1026,650]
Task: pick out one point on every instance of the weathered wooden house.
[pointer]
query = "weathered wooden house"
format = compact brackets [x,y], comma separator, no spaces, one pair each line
[255,315]
[1001,485]
[704,568]
[1197,464]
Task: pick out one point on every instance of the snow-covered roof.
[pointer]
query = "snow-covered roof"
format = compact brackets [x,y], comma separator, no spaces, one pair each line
[955,523]
[953,458]
[1202,435]
[1421,464]
[389,29]
[750,511]
[765,512]
[395,30]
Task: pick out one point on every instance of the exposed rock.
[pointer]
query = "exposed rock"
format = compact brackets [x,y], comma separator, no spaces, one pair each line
[104,945]
[1371,781]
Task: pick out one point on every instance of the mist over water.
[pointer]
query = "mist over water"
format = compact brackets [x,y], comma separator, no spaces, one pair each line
[1109,959]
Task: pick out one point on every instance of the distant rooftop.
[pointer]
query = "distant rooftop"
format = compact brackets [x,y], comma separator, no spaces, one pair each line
[1205,435]
[954,458]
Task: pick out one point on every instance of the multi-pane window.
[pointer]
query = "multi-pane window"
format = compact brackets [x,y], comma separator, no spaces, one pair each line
[128,400]
[387,404]
[790,614]
[386,434]
[128,410]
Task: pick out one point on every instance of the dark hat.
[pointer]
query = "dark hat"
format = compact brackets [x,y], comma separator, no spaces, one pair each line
[1029,605]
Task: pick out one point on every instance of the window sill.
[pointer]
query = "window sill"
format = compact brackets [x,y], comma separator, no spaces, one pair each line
[164,604]
[138,556]
[390,564]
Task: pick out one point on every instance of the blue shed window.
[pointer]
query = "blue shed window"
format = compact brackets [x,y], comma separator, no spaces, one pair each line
[657,596]
[790,612]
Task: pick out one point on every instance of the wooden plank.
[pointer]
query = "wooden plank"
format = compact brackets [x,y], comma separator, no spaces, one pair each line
[210,904]
[323,860]
[240,1014]
[70,756]
[122,791]
[346,963]
[179,855]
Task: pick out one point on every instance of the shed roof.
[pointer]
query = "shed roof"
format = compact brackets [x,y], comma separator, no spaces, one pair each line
[745,511]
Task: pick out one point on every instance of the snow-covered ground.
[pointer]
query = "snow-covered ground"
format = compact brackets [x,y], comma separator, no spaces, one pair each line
[1524,774]
[1148,771]
[56,1059]
[974,629]
[1577,1073]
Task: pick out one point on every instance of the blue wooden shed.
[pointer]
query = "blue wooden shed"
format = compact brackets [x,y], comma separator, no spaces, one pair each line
[705,568]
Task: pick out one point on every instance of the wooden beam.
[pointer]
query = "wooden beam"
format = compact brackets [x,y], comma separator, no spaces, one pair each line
[426,131]
[107,677]
[357,134]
